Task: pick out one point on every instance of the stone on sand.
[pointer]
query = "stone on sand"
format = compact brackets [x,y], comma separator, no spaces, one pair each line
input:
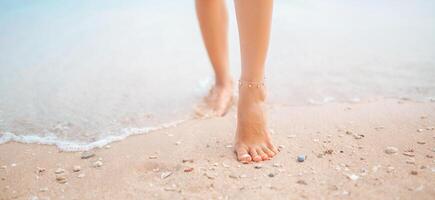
[391,150]
[301,158]
[165,175]
[233,176]
[409,154]
[352,177]
[187,160]
[76,168]
[59,171]
[87,154]
[40,170]
[277,165]
[61,178]
[97,163]
[189,169]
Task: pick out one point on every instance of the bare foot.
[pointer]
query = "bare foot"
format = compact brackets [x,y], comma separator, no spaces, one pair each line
[218,101]
[253,141]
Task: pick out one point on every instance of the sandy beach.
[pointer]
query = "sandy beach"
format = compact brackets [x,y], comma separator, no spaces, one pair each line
[382,149]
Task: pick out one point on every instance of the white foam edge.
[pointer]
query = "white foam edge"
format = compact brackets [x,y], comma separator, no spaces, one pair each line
[71,146]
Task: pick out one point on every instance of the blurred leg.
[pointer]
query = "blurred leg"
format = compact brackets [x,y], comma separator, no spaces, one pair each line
[213,21]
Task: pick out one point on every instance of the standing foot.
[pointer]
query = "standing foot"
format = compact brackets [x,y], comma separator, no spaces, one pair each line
[253,142]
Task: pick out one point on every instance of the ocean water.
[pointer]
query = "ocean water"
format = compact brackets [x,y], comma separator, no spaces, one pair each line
[81,74]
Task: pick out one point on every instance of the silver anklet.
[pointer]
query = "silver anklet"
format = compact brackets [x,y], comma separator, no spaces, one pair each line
[250,84]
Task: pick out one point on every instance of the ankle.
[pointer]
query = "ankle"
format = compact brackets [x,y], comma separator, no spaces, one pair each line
[224,84]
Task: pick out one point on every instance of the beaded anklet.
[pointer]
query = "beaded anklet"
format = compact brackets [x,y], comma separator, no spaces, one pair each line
[250,84]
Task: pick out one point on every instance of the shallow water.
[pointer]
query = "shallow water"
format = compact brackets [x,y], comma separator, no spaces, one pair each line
[80,74]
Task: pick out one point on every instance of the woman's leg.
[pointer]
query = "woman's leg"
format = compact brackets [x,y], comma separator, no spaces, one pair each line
[213,21]
[252,138]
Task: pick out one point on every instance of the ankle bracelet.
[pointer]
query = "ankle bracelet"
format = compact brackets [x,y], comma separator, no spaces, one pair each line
[250,84]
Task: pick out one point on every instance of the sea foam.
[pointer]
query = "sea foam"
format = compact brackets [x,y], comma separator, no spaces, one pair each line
[66,145]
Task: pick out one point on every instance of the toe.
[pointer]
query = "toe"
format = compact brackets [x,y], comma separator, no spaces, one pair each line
[269,152]
[272,148]
[242,155]
[254,155]
[262,154]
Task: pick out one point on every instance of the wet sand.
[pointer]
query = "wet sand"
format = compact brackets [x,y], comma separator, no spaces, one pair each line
[382,149]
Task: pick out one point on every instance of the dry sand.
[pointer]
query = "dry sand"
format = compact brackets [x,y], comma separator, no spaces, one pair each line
[345,145]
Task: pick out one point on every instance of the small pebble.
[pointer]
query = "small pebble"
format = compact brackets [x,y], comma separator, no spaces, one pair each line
[190,169]
[301,158]
[277,165]
[60,178]
[76,168]
[153,157]
[177,143]
[391,150]
[59,171]
[291,136]
[301,182]
[87,154]
[355,136]
[233,176]
[165,175]
[353,177]
[409,154]
[80,175]
[421,142]
[187,160]
[258,166]
[271,175]
[97,163]
[281,147]
[40,170]
[13,165]
[413,172]
[43,189]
